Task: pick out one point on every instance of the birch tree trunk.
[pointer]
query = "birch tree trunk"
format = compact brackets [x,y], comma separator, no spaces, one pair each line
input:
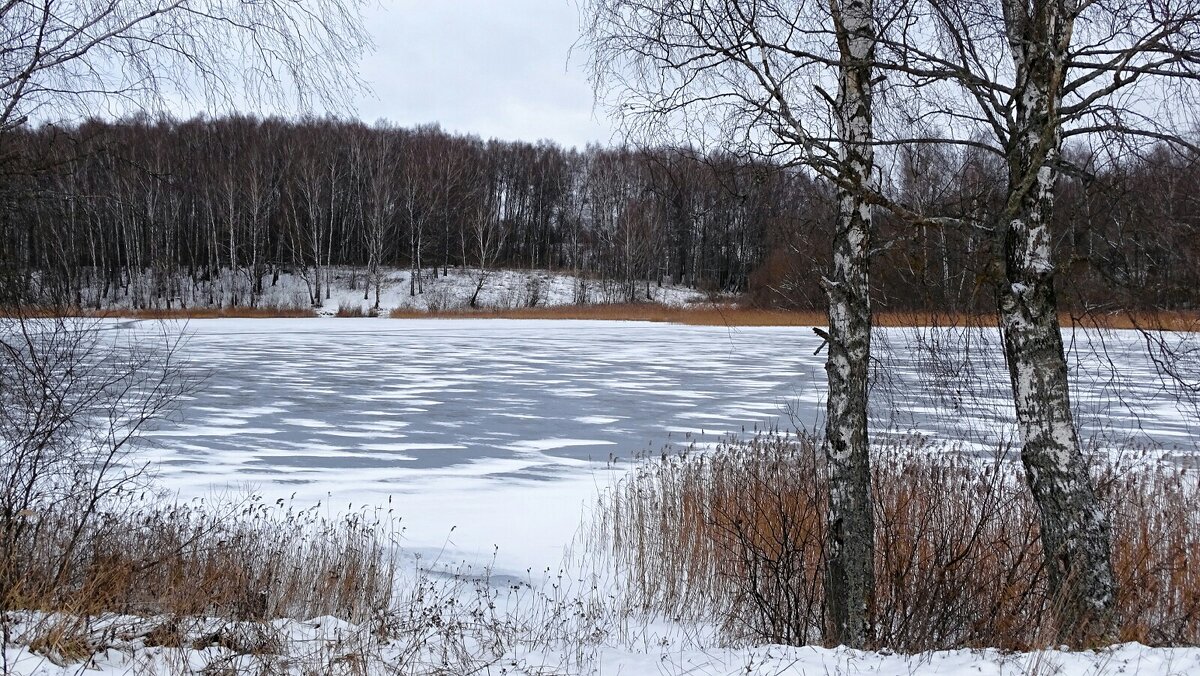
[1074,530]
[850,579]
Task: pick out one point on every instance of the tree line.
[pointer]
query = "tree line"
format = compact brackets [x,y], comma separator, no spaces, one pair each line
[139,207]
[147,203]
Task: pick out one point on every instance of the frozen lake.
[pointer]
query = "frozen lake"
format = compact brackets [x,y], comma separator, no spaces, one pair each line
[496,432]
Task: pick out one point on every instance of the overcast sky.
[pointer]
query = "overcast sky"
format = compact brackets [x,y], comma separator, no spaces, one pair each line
[496,68]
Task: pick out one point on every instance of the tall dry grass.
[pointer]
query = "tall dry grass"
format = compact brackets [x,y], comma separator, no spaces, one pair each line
[720,314]
[268,589]
[238,311]
[700,314]
[735,536]
[239,561]
[355,310]
[697,314]
[248,587]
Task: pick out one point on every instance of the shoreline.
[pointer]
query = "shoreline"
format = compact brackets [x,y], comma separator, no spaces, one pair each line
[694,315]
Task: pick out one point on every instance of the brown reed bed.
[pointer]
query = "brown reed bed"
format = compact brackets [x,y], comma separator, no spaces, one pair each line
[718,314]
[735,536]
[697,314]
[238,561]
[228,584]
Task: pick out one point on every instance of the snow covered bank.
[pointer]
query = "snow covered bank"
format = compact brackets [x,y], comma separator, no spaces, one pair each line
[353,290]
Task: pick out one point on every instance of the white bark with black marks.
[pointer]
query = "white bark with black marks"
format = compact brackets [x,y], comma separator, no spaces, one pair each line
[740,72]
[850,580]
[1074,530]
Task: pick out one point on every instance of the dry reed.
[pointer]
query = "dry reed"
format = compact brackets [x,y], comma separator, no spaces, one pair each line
[243,561]
[697,314]
[711,314]
[261,312]
[734,536]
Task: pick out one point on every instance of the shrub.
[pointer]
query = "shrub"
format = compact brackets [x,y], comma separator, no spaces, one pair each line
[356,310]
[72,402]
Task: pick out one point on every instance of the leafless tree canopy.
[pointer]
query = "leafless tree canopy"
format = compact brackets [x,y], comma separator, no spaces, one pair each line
[1130,70]
[757,76]
[63,58]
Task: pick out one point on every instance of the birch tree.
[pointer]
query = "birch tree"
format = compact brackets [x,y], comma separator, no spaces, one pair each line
[379,154]
[1075,532]
[316,184]
[1021,79]
[793,81]
[484,230]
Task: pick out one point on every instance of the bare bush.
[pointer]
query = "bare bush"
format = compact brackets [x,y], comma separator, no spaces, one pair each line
[533,291]
[439,297]
[74,397]
[734,536]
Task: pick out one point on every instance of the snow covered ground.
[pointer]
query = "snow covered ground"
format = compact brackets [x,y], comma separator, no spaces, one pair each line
[319,642]
[348,288]
[491,438]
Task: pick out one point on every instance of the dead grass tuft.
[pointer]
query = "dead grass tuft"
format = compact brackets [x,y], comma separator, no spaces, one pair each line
[356,310]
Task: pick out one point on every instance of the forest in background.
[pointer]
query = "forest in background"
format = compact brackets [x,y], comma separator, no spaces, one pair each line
[155,203]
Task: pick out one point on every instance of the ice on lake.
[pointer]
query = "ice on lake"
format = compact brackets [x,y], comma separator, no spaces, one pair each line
[497,432]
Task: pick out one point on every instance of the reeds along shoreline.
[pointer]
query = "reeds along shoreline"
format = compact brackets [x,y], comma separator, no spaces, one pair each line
[958,560]
[698,314]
